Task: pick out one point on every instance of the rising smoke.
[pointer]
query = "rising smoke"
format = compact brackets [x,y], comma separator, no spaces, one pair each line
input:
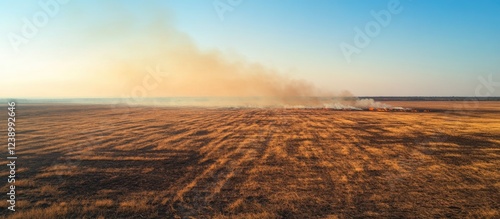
[191,72]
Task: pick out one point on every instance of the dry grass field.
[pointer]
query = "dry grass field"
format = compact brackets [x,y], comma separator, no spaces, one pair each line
[99,161]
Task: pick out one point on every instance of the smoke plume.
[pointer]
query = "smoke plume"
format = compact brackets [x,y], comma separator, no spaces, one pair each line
[188,71]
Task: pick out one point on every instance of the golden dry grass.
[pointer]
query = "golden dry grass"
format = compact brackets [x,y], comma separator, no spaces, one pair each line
[142,162]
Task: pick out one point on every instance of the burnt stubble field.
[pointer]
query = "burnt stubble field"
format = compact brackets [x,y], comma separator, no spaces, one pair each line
[101,161]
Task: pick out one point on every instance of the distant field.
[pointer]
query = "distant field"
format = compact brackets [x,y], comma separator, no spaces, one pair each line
[142,162]
[450,106]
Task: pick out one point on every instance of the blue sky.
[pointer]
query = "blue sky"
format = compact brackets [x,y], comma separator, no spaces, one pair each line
[430,48]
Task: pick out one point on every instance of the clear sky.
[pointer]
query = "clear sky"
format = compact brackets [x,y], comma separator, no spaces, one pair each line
[98,48]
